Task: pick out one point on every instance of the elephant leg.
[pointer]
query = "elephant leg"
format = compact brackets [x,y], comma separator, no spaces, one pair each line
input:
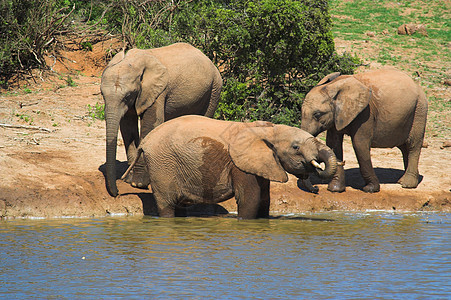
[263,211]
[247,195]
[165,200]
[334,140]
[150,119]
[362,148]
[165,210]
[405,154]
[412,148]
[130,136]
[411,157]
[307,184]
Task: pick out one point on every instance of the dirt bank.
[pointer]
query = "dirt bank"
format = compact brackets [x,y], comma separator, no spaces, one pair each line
[52,156]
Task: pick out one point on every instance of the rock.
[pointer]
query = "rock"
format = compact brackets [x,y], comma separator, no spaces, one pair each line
[421,29]
[425,144]
[410,29]
[371,34]
[402,30]
[446,144]
[385,32]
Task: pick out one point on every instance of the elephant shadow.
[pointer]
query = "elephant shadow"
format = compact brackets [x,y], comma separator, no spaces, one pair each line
[150,206]
[355,180]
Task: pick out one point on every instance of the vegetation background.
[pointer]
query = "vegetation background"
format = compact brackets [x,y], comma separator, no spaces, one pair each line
[270,52]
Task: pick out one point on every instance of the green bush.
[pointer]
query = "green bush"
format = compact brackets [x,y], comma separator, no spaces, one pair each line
[30,28]
[27,29]
[97,111]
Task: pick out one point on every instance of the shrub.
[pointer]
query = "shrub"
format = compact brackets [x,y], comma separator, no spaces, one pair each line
[30,28]
[97,111]
[27,29]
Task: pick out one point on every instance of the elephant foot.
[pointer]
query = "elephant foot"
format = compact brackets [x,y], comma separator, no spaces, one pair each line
[138,181]
[408,181]
[129,177]
[141,183]
[309,186]
[371,188]
[338,185]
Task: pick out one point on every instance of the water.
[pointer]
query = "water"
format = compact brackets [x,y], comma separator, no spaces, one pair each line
[318,256]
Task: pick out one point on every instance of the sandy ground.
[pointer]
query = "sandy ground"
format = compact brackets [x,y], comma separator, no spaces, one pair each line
[52,162]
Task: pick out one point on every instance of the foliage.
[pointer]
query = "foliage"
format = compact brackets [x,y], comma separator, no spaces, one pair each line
[70,82]
[270,52]
[97,111]
[27,118]
[27,29]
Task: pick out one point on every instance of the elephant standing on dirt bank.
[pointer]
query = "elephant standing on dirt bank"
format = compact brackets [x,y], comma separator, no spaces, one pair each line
[377,109]
[194,159]
[153,85]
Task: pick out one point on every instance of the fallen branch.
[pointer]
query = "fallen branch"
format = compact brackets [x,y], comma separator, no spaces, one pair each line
[27,104]
[25,127]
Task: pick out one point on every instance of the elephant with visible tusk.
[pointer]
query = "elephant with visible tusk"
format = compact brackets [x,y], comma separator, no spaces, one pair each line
[194,159]
[377,109]
[154,86]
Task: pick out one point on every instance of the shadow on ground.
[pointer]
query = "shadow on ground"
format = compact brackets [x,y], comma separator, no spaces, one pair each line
[355,180]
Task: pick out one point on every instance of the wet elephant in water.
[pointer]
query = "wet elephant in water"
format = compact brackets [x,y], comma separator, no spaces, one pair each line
[194,159]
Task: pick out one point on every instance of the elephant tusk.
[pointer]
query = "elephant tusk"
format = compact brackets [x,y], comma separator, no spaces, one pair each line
[317,165]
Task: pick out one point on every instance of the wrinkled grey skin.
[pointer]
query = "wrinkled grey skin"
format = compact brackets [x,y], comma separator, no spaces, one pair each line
[194,159]
[154,86]
[377,109]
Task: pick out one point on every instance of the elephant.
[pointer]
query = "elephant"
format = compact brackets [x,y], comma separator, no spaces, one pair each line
[194,159]
[378,109]
[153,85]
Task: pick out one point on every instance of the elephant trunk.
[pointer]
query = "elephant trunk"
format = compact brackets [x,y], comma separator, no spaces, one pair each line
[326,155]
[112,128]
[316,153]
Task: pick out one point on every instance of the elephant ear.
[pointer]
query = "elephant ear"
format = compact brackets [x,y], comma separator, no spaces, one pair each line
[351,97]
[252,153]
[117,58]
[154,80]
[328,78]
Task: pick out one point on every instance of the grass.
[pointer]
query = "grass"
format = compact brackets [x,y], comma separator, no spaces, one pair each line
[25,117]
[70,82]
[426,58]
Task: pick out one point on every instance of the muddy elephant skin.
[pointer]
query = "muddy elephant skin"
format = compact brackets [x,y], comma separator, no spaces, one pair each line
[194,159]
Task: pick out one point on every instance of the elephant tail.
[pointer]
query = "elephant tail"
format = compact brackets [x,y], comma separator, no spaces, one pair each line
[215,95]
[140,151]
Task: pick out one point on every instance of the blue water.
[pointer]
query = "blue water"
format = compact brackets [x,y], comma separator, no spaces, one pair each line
[317,256]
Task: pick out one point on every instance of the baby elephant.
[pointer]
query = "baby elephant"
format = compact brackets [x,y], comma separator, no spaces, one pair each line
[195,159]
[377,109]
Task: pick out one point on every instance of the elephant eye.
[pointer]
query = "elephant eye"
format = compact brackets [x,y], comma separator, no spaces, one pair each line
[295,147]
[317,115]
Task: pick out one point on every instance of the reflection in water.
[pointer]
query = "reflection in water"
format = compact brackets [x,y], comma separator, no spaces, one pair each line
[341,255]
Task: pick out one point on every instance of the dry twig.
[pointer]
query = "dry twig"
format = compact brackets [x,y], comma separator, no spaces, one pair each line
[25,127]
